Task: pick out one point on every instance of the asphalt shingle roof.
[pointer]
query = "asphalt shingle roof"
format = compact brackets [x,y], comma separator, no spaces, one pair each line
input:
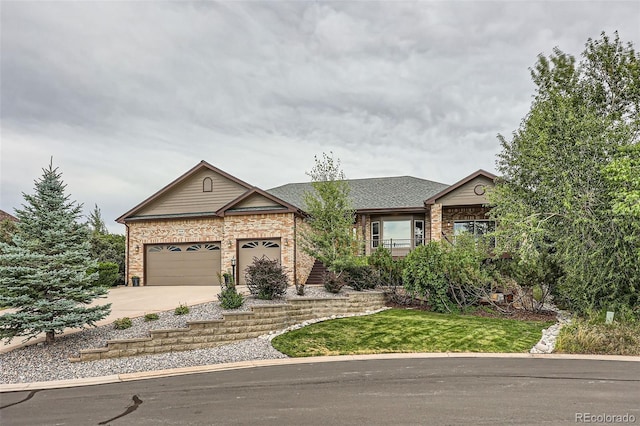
[373,193]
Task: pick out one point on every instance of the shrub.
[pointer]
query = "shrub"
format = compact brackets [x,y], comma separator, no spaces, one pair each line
[424,276]
[266,279]
[230,298]
[584,336]
[122,323]
[181,310]
[332,282]
[361,277]
[463,266]
[389,269]
[107,274]
[151,317]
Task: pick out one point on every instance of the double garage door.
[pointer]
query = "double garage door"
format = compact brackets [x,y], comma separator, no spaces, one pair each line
[183,264]
[199,263]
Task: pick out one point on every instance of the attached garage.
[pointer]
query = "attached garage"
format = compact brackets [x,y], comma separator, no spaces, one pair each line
[182,264]
[250,249]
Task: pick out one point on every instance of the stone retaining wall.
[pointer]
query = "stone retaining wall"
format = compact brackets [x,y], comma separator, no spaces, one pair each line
[236,326]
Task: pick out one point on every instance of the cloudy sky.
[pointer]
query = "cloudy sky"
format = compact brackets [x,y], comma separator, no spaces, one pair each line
[126,96]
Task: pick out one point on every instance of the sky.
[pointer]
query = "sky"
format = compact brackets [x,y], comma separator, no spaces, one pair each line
[128,95]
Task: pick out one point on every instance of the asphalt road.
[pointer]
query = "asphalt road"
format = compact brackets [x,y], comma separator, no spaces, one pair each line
[442,391]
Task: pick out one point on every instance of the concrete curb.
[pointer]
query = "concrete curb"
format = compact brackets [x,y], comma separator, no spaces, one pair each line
[128,377]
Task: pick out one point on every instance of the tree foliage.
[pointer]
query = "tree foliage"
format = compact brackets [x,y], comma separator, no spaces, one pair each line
[329,235]
[44,275]
[7,229]
[106,247]
[566,175]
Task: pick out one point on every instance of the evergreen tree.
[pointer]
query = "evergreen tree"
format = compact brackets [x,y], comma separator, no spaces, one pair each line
[44,275]
[96,223]
[106,247]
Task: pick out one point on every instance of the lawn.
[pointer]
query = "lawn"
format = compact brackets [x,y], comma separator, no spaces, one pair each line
[401,330]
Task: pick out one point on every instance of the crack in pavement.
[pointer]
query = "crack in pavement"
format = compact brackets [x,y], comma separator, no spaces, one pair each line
[130,409]
[31,394]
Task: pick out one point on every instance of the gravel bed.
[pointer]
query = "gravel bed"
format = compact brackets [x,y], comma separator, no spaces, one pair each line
[39,362]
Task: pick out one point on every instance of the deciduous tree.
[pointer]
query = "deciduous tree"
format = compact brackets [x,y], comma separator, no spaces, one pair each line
[329,235]
[563,180]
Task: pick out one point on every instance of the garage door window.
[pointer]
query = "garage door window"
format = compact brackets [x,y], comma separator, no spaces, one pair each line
[157,249]
[257,244]
[198,247]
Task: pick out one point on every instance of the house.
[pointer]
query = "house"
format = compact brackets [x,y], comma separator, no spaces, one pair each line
[207,222]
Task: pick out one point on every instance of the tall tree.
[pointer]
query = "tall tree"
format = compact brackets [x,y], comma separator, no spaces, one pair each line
[553,197]
[45,274]
[329,235]
[96,223]
[106,247]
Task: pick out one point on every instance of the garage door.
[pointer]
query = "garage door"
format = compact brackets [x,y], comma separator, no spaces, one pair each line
[256,248]
[183,264]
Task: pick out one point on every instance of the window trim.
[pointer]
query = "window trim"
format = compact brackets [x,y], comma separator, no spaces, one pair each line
[207,184]
[375,236]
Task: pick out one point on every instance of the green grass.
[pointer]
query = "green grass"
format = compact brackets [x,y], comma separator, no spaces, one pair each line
[399,330]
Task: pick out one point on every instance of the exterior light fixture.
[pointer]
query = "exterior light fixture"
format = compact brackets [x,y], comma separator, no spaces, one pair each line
[233,267]
[137,248]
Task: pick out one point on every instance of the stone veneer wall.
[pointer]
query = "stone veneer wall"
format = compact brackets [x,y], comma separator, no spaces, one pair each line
[227,230]
[236,326]
[304,262]
[451,214]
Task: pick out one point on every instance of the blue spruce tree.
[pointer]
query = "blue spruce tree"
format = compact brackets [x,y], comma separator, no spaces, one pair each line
[44,272]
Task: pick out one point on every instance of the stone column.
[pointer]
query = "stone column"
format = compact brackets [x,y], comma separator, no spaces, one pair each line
[436,222]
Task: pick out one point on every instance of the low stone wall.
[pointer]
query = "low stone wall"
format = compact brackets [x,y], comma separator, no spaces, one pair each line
[236,326]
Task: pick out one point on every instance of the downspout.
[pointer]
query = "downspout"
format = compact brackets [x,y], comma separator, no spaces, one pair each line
[295,250]
[126,266]
[363,221]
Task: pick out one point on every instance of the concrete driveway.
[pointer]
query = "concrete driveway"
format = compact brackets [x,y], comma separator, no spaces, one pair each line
[135,302]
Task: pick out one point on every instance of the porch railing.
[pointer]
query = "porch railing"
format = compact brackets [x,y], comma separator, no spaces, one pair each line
[397,246]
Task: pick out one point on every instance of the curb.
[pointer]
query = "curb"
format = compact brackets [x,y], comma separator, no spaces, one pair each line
[128,377]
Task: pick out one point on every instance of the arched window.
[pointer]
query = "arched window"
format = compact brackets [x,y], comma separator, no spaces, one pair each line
[207,185]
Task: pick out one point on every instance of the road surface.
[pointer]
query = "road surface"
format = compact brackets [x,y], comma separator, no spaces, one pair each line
[441,391]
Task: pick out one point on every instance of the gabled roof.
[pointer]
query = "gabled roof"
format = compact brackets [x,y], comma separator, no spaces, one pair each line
[385,193]
[229,208]
[6,216]
[448,190]
[250,190]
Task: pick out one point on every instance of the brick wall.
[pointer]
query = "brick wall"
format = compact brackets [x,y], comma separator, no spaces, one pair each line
[304,262]
[236,326]
[451,214]
[226,230]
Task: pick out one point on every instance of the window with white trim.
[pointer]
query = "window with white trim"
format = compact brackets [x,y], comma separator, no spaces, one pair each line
[375,234]
[418,232]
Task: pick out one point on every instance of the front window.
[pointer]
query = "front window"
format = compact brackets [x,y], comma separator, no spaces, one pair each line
[397,233]
[477,228]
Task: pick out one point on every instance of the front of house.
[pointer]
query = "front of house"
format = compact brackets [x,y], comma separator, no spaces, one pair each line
[207,222]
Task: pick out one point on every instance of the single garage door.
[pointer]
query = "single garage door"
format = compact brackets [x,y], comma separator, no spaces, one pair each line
[183,264]
[256,248]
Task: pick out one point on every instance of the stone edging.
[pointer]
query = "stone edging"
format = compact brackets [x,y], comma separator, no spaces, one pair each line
[547,342]
[236,326]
